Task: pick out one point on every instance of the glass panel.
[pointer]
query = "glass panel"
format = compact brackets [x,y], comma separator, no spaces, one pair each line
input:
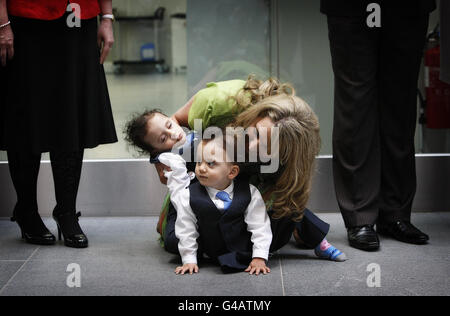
[305,61]
[227,40]
[218,40]
[134,83]
[202,41]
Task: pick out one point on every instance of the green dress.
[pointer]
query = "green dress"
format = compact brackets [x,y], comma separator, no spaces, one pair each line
[215,105]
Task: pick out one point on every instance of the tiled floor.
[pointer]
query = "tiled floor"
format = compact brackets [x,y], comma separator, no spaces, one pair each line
[125,259]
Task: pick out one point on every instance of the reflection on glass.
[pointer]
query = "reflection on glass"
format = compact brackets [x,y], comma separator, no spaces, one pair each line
[203,41]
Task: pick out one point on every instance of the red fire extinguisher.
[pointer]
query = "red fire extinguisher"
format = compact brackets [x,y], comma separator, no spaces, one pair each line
[437,108]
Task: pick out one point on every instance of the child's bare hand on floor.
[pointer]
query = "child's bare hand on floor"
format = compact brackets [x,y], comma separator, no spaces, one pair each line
[188,267]
[258,265]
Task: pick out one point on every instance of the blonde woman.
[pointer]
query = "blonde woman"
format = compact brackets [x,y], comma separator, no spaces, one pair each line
[287,191]
[262,105]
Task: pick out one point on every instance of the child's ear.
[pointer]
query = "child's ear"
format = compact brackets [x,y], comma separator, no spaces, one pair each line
[233,172]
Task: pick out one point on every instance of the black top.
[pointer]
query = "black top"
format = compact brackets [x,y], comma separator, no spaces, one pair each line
[359,7]
[263,181]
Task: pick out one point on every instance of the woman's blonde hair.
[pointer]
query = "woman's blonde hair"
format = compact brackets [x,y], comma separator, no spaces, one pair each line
[299,143]
[255,90]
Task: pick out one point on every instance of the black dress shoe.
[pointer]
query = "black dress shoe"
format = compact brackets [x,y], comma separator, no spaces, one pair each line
[403,231]
[70,229]
[363,237]
[32,228]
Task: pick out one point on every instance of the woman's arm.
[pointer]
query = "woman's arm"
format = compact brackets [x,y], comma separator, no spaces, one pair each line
[105,37]
[105,6]
[6,35]
[3,12]
[182,115]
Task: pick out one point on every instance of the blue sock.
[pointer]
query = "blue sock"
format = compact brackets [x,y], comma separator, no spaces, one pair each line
[327,251]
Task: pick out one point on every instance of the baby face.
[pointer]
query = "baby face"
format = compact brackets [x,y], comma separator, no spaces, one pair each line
[212,170]
[163,133]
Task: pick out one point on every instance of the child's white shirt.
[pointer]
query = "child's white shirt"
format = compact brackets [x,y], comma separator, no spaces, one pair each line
[186,229]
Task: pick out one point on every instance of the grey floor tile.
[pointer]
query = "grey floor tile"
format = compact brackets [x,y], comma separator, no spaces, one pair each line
[405,269]
[12,247]
[8,269]
[136,277]
[110,237]
[124,258]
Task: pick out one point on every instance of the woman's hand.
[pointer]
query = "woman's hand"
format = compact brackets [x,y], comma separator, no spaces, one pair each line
[258,265]
[105,38]
[6,44]
[187,267]
[160,169]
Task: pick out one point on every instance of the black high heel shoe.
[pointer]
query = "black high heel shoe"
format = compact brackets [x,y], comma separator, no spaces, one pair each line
[69,228]
[33,229]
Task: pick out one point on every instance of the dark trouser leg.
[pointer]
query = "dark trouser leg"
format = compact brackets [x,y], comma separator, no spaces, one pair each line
[402,47]
[282,229]
[66,167]
[356,144]
[312,230]
[170,240]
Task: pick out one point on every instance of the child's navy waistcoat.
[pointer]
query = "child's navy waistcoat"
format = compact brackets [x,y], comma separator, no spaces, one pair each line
[223,233]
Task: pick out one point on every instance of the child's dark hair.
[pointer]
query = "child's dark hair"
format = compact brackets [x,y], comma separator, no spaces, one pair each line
[136,129]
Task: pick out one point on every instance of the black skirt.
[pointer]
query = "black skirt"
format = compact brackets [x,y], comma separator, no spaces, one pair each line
[53,94]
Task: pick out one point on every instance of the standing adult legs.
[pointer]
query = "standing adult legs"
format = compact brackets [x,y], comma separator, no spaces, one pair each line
[66,167]
[356,156]
[399,70]
[24,170]
[356,143]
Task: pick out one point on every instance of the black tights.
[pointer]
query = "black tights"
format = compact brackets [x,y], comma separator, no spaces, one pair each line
[24,170]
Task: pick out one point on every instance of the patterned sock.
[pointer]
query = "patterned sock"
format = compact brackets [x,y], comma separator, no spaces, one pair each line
[327,251]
